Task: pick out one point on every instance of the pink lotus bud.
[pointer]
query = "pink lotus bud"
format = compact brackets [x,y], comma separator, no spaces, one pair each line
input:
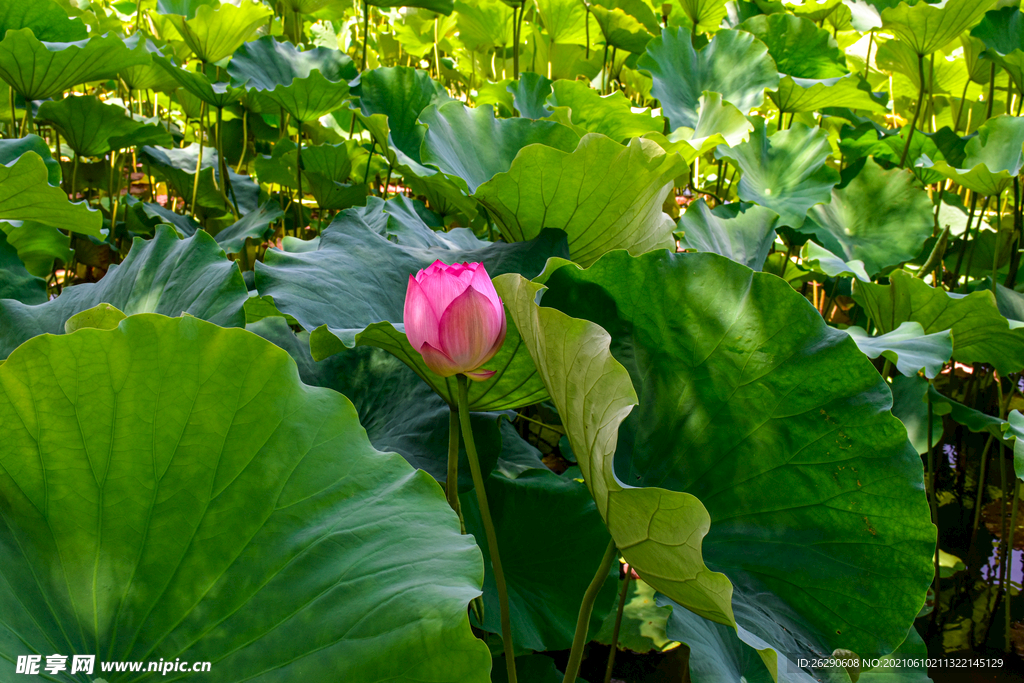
[454,318]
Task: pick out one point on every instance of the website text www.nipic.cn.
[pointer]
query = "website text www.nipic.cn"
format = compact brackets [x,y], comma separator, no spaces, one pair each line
[35,665]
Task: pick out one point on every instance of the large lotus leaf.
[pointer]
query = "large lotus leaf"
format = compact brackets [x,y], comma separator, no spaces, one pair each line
[1003,34]
[262,532]
[185,8]
[215,32]
[587,111]
[12,149]
[308,84]
[785,172]
[162,275]
[926,28]
[90,126]
[38,245]
[178,167]
[718,123]
[744,390]
[880,218]
[797,45]
[485,24]
[908,346]
[199,84]
[26,195]
[980,333]
[38,70]
[565,21]
[46,18]
[804,94]
[256,225]
[991,158]
[472,145]
[357,276]
[15,280]
[741,232]
[705,15]
[626,24]
[734,64]
[533,550]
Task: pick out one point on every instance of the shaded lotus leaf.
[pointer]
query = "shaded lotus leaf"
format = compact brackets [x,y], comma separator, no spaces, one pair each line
[213,32]
[625,24]
[926,28]
[15,280]
[643,621]
[178,167]
[582,108]
[326,168]
[991,158]
[1002,32]
[712,367]
[741,232]
[147,76]
[908,347]
[92,128]
[530,94]
[151,215]
[46,18]
[880,218]
[26,195]
[306,83]
[785,172]
[473,146]
[324,529]
[162,275]
[604,195]
[705,15]
[533,550]
[38,245]
[718,123]
[11,149]
[734,64]
[199,84]
[821,260]
[799,47]
[980,333]
[256,225]
[910,405]
[38,70]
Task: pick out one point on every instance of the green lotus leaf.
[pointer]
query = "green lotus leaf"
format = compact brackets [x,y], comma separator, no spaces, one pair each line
[12,149]
[485,24]
[718,123]
[472,145]
[1002,32]
[980,333]
[741,232]
[89,126]
[214,32]
[1010,431]
[533,550]
[185,8]
[328,292]
[784,172]
[705,15]
[178,167]
[643,621]
[295,588]
[326,168]
[15,280]
[151,215]
[26,195]
[38,245]
[803,94]
[926,28]
[1015,422]
[880,218]
[821,260]
[621,29]
[582,108]
[100,317]
[162,275]
[991,158]
[727,415]
[798,46]
[256,225]
[734,64]
[564,20]
[530,94]
[908,346]
[199,84]
[1010,303]
[445,7]
[910,405]
[147,76]
[47,20]
[38,70]
[604,195]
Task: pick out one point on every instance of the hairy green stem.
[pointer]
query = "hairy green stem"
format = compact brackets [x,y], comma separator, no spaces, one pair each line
[366,33]
[579,640]
[618,626]
[485,517]
[917,110]
[199,160]
[451,485]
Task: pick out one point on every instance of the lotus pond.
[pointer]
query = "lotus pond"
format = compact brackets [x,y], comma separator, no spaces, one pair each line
[511,340]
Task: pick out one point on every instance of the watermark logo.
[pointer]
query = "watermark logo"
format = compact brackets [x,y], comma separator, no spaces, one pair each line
[34,665]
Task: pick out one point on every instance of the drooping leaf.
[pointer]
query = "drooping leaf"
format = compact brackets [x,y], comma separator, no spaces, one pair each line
[38,70]
[625,24]
[38,245]
[741,232]
[880,218]
[26,195]
[12,149]
[821,260]
[926,28]
[277,520]
[798,47]
[603,195]
[718,123]
[784,172]
[215,31]
[727,415]
[533,550]
[980,333]
[162,275]
[92,128]
[908,346]
[1002,32]
[910,406]
[15,281]
[705,15]
[326,170]
[255,225]
[991,158]
[734,64]
[200,85]
[472,145]
[306,83]
[178,167]
[582,108]
[807,94]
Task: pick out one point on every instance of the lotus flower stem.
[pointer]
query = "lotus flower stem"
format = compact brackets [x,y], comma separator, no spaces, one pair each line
[579,640]
[199,161]
[451,486]
[618,626]
[298,174]
[366,33]
[485,516]
[917,110]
